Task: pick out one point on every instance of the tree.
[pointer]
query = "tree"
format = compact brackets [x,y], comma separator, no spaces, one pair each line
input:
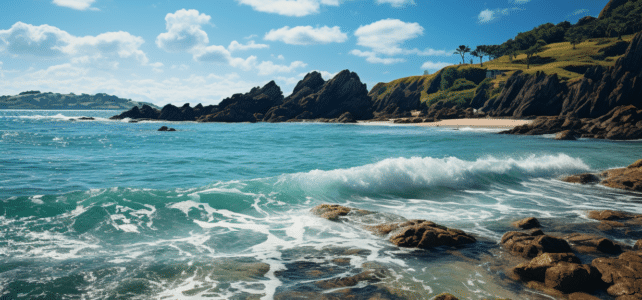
[494,51]
[462,50]
[532,51]
[481,51]
[575,37]
[476,54]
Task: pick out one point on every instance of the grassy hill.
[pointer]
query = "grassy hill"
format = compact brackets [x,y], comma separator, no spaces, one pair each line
[459,83]
[38,100]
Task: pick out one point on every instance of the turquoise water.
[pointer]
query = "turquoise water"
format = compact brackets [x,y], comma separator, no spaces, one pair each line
[111,209]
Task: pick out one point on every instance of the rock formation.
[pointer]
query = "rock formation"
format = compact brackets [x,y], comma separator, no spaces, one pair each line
[248,107]
[527,223]
[532,244]
[623,274]
[629,178]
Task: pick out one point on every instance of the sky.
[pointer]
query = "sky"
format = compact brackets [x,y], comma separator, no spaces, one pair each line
[202,51]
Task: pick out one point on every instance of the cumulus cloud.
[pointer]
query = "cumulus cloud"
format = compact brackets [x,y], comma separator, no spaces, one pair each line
[386,36]
[487,15]
[236,46]
[307,35]
[269,68]
[429,65]
[396,3]
[372,57]
[184,31]
[521,1]
[292,8]
[76,4]
[49,41]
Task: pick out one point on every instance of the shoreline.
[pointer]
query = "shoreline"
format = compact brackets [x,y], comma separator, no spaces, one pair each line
[460,123]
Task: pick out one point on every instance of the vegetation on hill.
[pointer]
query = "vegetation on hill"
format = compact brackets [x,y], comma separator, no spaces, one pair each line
[565,49]
[38,100]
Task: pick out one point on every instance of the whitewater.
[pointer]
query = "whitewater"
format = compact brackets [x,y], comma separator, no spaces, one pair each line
[107,209]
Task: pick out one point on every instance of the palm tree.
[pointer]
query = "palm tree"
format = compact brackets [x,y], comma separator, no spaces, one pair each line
[462,50]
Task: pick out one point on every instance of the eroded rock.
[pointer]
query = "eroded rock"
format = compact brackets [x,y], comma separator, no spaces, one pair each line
[425,234]
[623,274]
[527,223]
[587,243]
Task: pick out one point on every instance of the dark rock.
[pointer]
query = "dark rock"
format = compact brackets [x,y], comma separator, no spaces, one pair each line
[246,107]
[532,244]
[165,128]
[86,119]
[528,223]
[590,244]
[623,275]
[145,112]
[582,178]
[346,118]
[425,234]
[571,277]
[566,135]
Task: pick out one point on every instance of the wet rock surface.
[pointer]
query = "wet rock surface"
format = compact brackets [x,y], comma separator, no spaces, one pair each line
[527,223]
[587,243]
[530,245]
[629,178]
[425,234]
[623,274]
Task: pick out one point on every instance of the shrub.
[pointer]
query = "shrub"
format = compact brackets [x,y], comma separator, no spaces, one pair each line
[462,84]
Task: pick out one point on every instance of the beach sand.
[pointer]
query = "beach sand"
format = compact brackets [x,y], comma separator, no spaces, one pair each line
[483,123]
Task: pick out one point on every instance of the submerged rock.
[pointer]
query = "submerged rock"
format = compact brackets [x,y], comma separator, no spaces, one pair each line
[582,178]
[165,128]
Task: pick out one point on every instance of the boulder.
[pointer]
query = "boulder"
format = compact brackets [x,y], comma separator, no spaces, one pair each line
[566,135]
[165,128]
[591,243]
[425,234]
[629,178]
[528,223]
[623,274]
[331,211]
[571,277]
[535,270]
[86,119]
[445,296]
[582,178]
[638,245]
[611,215]
[530,245]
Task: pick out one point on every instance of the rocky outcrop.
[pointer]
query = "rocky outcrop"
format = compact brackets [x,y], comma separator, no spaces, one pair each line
[623,274]
[587,243]
[621,123]
[425,234]
[420,234]
[145,112]
[527,223]
[247,107]
[314,98]
[566,135]
[532,244]
[398,100]
[604,103]
[165,128]
[629,178]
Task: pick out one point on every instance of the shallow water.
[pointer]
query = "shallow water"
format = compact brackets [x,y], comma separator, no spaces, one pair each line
[111,209]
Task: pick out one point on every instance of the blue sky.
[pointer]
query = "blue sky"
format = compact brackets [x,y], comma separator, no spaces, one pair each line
[202,51]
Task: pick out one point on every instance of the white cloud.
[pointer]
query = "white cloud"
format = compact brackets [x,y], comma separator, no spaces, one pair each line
[396,3]
[213,54]
[251,36]
[181,67]
[48,41]
[268,67]
[184,31]
[372,57]
[429,65]
[386,36]
[487,15]
[580,12]
[236,46]
[243,64]
[76,4]
[292,8]
[521,1]
[307,35]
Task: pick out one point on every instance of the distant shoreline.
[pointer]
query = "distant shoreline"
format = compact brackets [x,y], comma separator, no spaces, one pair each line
[458,123]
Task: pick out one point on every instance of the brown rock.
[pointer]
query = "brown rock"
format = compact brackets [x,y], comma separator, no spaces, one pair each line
[582,178]
[622,274]
[609,215]
[528,223]
[591,243]
[570,277]
[531,245]
[445,296]
[629,178]
[330,211]
[638,245]
[535,270]
[581,296]
[566,135]
[425,234]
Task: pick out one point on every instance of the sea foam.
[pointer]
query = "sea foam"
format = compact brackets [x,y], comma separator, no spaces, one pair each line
[400,174]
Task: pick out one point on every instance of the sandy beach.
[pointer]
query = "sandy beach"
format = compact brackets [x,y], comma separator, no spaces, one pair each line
[484,123]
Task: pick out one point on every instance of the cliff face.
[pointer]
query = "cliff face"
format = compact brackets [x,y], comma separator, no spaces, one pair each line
[597,93]
[399,102]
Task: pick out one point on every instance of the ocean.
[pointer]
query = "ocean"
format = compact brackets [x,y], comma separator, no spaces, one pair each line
[108,209]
